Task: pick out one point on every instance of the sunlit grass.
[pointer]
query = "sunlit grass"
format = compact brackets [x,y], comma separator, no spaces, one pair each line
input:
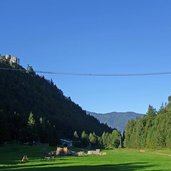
[119,160]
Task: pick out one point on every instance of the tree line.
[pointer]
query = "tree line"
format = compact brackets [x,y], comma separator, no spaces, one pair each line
[106,140]
[151,131]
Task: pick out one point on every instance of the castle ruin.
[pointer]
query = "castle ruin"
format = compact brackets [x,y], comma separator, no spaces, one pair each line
[9,59]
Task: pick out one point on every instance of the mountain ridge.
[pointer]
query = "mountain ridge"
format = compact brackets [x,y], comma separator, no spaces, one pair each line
[116,120]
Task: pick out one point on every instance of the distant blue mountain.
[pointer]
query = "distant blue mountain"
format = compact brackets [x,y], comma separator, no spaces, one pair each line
[116,120]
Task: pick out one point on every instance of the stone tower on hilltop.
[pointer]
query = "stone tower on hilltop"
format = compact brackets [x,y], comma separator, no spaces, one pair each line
[10,59]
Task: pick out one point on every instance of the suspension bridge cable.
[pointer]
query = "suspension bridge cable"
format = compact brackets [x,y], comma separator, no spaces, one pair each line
[93,74]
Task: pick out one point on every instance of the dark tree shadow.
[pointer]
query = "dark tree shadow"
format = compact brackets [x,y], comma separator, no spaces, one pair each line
[112,167]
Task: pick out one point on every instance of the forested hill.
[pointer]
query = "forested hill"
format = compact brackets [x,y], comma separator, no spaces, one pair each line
[151,131]
[32,107]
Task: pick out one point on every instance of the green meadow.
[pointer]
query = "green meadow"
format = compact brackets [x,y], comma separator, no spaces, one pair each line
[114,160]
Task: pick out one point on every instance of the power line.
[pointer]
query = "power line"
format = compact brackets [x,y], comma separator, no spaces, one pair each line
[93,74]
[12,69]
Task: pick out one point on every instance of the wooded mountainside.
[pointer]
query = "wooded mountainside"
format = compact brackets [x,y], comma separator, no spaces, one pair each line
[33,108]
[151,131]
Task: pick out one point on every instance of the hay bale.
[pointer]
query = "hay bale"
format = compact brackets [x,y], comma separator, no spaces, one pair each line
[65,150]
[98,150]
[81,153]
[24,158]
[142,151]
[59,151]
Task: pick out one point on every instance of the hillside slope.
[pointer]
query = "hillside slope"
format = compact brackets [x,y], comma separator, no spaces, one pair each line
[28,100]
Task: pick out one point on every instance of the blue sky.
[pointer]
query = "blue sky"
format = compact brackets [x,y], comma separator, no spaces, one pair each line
[94,36]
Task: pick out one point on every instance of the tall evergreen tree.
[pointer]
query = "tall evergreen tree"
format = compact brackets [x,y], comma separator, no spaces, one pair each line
[151,111]
[76,137]
[151,131]
[31,120]
[93,139]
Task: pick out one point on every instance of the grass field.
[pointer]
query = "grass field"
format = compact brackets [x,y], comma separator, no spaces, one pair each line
[114,160]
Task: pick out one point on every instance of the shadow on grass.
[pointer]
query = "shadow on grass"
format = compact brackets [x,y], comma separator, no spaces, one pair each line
[112,167]
[14,162]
